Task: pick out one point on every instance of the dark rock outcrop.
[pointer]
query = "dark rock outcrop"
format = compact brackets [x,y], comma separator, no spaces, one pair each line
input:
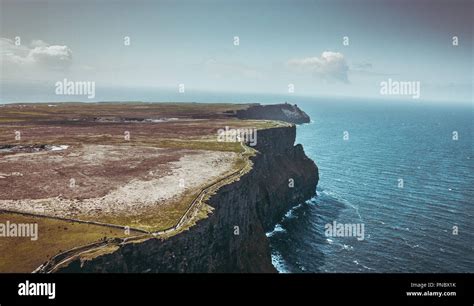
[232,238]
[283,112]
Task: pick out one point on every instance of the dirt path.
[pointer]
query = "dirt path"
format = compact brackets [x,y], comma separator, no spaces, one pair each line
[67,256]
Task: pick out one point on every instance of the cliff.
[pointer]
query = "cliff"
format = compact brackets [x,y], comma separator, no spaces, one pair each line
[283,112]
[253,204]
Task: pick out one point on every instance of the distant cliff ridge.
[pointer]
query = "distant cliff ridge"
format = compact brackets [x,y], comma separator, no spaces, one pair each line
[283,112]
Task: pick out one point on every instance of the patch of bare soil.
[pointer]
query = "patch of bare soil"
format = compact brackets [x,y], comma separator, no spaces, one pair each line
[97,180]
[79,172]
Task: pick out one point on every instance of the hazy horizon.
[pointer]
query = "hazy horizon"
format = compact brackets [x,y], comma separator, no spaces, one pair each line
[300,48]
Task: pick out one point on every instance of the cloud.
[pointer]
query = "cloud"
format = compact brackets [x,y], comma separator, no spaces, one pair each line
[329,65]
[10,53]
[38,53]
[38,43]
[51,56]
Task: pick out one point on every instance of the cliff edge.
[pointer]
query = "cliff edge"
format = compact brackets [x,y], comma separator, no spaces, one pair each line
[232,238]
[283,112]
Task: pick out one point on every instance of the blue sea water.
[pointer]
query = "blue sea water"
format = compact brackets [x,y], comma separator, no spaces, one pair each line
[407,229]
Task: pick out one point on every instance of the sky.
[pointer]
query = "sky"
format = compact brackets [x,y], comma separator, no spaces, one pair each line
[282,45]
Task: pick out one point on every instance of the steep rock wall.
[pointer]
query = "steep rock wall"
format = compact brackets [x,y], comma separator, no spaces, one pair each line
[253,204]
[284,112]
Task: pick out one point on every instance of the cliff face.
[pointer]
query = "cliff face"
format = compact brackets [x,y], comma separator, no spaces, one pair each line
[253,204]
[283,112]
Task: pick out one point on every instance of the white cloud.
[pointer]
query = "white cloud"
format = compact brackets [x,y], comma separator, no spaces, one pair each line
[39,53]
[330,65]
[10,53]
[38,43]
[52,56]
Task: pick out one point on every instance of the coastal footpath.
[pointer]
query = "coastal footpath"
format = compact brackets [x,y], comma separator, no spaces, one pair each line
[232,237]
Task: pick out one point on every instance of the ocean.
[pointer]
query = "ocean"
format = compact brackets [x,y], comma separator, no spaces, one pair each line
[404,170]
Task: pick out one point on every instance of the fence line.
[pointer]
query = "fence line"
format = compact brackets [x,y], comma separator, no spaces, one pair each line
[60,258]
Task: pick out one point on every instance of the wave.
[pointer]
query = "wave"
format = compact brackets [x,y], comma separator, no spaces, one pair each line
[279,263]
[277,229]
